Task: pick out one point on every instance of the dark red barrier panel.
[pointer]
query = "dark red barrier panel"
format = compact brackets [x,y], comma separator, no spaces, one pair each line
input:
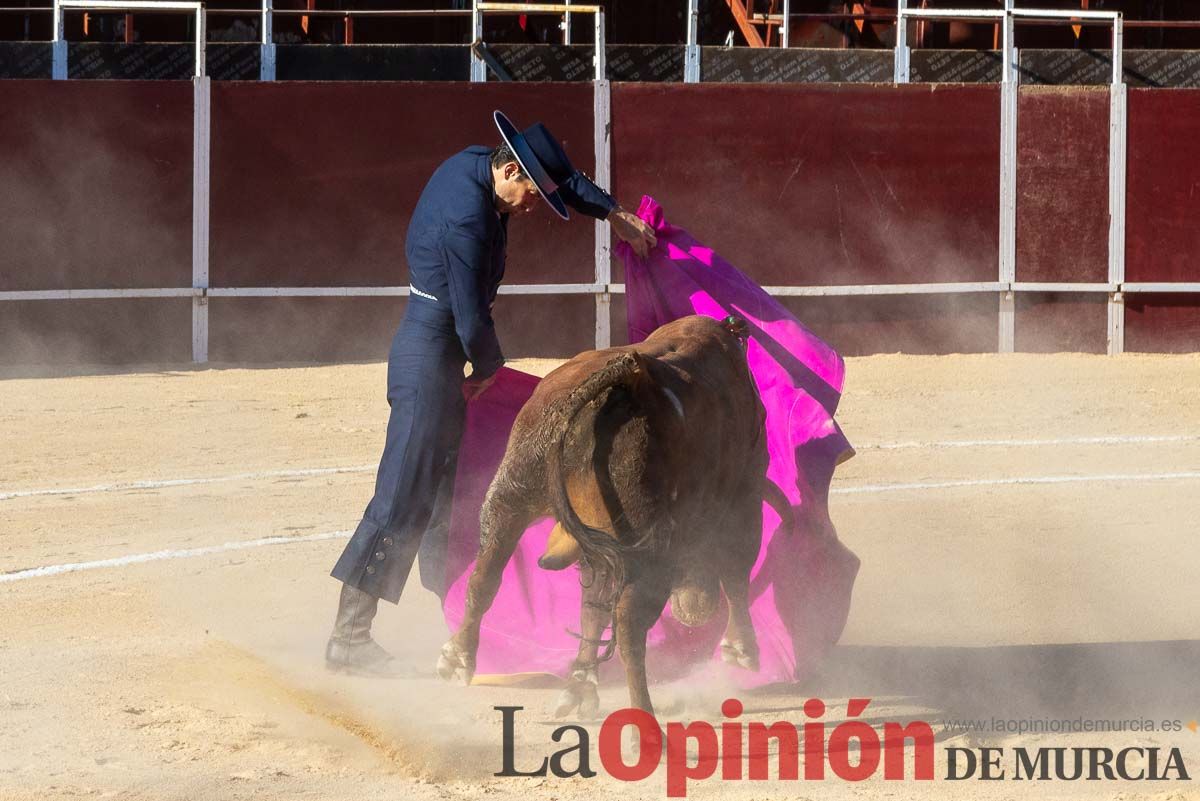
[262,330]
[108,331]
[1062,184]
[95,184]
[1162,186]
[1050,322]
[1162,323]
[821,184]
[313,183]
[862,325]
[1062,216]
[1163,201]
[859,325]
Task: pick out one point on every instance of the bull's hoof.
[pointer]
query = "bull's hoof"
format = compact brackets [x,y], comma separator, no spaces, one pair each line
[455,664]
[740,654]
[580,693]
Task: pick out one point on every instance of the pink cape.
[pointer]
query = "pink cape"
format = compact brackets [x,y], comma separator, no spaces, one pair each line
[800,586]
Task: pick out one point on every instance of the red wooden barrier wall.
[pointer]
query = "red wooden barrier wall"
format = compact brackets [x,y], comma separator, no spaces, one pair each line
[1163,234]
[95,193]
[312,184]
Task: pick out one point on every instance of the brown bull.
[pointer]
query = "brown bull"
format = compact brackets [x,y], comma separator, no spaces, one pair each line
[652,458]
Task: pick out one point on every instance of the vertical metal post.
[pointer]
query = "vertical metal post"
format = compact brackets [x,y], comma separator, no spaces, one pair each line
[1008,190]
[900,68]
[691,53]
[266,65]
[785,30]
[602,123]
[567,24]
[201,40]
[599,64]
[201,149]
[1117,122]
[58,51]
[478,68]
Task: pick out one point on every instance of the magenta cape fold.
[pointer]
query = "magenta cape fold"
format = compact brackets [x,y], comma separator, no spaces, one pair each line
[801,584]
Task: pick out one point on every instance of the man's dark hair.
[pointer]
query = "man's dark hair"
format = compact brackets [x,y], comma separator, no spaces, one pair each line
[504,154]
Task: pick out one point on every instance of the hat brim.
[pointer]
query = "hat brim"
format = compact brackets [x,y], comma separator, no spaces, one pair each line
[530,164]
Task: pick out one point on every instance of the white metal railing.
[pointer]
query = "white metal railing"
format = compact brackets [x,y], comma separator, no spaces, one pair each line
[1007,17]
[810,291]
[59,52]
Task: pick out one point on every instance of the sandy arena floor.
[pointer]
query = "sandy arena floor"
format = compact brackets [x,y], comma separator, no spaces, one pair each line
[1074,593]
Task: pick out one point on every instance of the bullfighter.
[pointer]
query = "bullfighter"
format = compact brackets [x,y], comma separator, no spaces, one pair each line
[455,249]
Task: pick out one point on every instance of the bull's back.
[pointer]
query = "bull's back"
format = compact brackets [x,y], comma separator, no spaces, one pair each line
[694,362]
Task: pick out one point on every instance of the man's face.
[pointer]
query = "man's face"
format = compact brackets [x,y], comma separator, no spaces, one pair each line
[515,193]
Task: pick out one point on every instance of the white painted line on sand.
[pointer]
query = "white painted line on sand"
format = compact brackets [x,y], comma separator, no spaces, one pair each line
[323,471]
[155,556]
[986,482]
[1027,443]
[183,482]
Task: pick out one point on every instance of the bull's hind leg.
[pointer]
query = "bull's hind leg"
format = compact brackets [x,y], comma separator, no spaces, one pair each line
[639,606]
[583,676]
[743,533]
[505,516]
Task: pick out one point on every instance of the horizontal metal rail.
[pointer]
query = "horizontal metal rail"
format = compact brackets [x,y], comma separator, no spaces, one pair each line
[1062,286]
[539,8]
[878,16]
[886,289]
[842,290]
[1166,286]
[126,5]
[347,12]
[98,294]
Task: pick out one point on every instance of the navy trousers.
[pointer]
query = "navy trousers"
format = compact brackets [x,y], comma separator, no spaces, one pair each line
[410,510]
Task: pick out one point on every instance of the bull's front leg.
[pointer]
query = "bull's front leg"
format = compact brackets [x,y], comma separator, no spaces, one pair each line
[741,538]
[739,646]
[502,522]
[583,675]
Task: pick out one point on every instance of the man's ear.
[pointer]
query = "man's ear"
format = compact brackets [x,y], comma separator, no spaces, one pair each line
[511,169]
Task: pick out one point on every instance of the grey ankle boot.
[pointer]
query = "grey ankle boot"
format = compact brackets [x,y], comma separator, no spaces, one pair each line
[350,648]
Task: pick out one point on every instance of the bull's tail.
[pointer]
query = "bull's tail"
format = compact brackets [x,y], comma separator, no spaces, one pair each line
[601,549]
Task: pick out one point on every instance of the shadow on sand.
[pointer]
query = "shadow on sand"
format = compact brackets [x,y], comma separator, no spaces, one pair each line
[1099,681]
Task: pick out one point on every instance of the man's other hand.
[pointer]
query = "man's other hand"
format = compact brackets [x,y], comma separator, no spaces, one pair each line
[634,230]
[474,387]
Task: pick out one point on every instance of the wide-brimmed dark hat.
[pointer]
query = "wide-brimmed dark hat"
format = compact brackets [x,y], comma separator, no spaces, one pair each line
[541,158]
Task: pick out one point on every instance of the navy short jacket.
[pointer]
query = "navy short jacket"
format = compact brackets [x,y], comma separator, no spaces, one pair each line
[456,245]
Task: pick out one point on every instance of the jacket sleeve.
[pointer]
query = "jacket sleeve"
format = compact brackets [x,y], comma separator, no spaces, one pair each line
[581,194]
[467,259]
